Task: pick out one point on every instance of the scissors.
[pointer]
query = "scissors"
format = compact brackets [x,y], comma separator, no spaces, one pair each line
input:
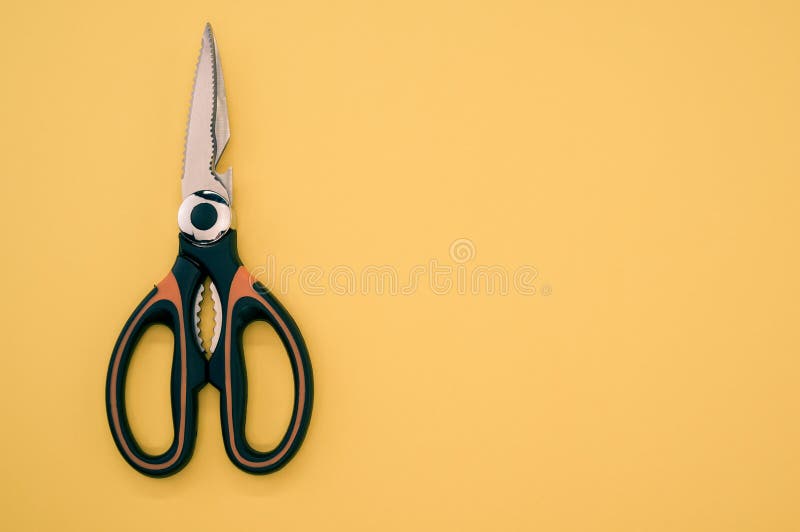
[207,249]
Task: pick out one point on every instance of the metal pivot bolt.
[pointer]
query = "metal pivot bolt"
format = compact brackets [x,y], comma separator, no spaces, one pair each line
[204,216]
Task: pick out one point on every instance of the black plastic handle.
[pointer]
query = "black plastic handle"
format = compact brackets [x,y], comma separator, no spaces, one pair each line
[165,305]
[248,302]
[243,302]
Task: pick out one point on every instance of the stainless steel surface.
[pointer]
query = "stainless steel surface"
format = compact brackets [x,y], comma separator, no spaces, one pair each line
[216,316]
[213,233]
[208,130]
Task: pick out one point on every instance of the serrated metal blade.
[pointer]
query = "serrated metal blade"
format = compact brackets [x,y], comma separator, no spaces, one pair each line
[217,306]
[216,315]
[208,130]
[198,299]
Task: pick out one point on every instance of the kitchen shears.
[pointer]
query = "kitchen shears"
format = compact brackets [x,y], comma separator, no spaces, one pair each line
[207,249]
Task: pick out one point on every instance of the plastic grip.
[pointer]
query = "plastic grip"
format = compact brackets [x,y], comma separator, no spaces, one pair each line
[163,305]
[242,301]
[249,302]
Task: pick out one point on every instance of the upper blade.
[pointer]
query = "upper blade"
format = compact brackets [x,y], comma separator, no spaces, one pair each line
[208,131]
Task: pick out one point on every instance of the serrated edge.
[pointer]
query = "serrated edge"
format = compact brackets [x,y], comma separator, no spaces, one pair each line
[198,299]
[216,308]
[224,179]
[216,305]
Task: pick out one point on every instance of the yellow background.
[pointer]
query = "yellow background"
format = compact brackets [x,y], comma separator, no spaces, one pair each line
[642,156]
